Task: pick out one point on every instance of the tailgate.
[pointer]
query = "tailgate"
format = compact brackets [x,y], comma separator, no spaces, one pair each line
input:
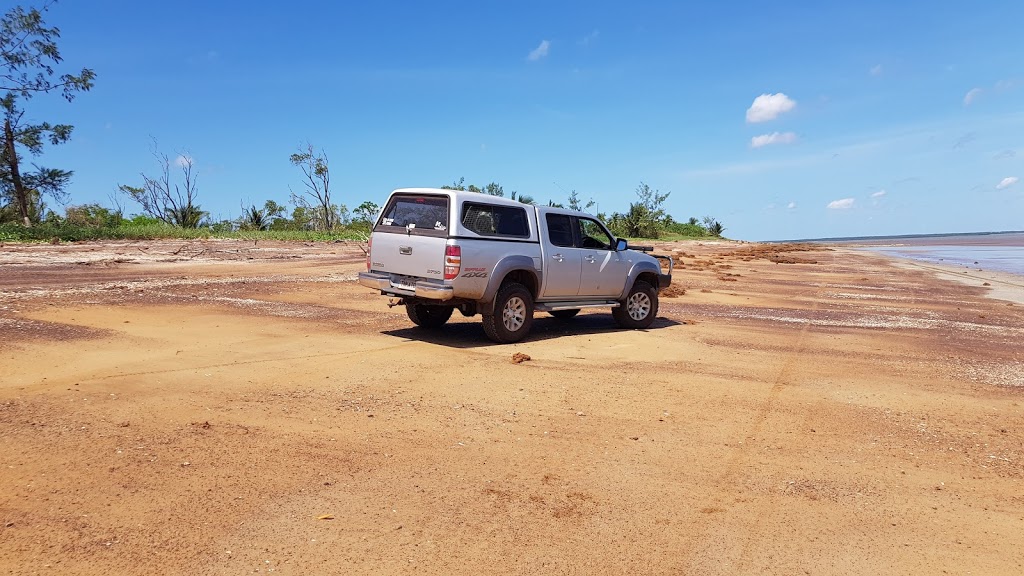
[408,255]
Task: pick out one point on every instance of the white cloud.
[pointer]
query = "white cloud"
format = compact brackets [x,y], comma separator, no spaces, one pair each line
[183,160]
[1007,182]
[773,138]
[879,194]
[972,95]
[791,206]
[768,107]
[841,204]
[540,51]
[876,70]
[586,40]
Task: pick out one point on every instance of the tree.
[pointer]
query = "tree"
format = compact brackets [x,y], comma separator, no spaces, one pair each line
[653,201]
[173,204]
[457,185]
[576,204]
[492,189]
[317,186]
[254,218]
[28,53]
[645,218]
[714,227]
[93,216]
[524,198]
[366,212]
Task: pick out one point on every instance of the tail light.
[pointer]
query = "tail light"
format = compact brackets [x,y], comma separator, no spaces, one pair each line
[452,261]
[369,244]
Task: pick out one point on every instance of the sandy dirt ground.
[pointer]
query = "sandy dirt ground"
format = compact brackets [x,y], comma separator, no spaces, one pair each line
[223,407]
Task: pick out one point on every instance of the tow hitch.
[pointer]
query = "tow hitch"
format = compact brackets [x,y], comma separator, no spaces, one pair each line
[392,302]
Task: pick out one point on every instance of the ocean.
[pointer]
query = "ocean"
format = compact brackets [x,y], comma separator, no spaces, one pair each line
[1000,252]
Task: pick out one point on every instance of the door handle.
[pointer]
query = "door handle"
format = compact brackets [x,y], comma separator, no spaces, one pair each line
[405,250]
[588,258]
[557,257]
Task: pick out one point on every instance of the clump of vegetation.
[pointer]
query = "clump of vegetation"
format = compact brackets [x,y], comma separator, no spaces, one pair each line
[647,218]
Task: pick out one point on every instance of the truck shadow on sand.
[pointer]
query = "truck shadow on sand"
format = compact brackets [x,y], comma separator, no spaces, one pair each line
[471,334]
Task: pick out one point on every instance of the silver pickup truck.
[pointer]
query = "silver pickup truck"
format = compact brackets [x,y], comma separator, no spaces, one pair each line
[441,250]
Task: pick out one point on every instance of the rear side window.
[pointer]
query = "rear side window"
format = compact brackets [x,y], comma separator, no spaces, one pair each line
[416,213]
[560,230]
[491,220]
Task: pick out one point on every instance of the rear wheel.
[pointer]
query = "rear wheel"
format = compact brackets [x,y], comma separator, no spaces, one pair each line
[564,314]
[639,308]
[428,315]
[512,315]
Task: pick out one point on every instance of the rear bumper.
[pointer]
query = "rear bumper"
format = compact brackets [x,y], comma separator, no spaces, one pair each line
[422,289]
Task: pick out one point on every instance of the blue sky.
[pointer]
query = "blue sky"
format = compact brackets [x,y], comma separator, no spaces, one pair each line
[781,120]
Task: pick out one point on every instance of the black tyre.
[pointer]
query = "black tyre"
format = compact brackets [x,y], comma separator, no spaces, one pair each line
[428,315]
[512,315]
[640,307]
[564,314]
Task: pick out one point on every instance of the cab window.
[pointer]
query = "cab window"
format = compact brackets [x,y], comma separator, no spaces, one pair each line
[491,220]
[559,229]
[593,235]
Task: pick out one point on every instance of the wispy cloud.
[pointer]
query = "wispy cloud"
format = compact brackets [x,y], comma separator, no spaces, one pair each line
[1004,155]
[972,95]
[592,37]
[768,107]
[841,204]
[791,206]
[183,160]
[1007,182]
[878,194]
[773,138]
[964,140]
[876,70]
[541,51]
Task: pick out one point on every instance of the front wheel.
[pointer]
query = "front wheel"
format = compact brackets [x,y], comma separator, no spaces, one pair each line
[639,308]
[512,315]
[428,315]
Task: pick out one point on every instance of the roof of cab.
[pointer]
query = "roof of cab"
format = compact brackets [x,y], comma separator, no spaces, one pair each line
[458,195]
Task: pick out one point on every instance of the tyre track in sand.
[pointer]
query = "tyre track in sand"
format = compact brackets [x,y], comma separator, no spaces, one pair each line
[734,555]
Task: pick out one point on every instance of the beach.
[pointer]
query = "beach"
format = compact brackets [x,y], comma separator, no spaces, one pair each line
[221,406]
[994,260]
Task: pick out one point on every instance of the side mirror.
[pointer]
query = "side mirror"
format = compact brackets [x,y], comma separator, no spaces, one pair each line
[620,244]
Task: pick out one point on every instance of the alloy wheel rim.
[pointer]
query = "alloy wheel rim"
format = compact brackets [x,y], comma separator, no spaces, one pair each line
[513,315]
[638,306]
